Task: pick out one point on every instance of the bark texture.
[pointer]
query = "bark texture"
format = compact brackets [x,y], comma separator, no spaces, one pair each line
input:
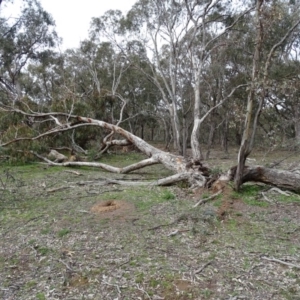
[279,178]
[191,170]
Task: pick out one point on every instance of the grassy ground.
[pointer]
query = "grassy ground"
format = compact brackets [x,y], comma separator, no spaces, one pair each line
[148,242]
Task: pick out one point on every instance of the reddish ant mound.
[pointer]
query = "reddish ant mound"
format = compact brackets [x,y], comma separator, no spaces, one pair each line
[113,208]
[105,206]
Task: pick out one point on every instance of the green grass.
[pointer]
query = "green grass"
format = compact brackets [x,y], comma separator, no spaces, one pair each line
[288,199]
[63,232]
[167,195]
[250,194]
[32,216]
[40,296]
[45,230]
[142,197]
[43,250]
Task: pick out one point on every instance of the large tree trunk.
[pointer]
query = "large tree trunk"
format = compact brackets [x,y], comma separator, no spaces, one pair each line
[191,171]
[257,86]
[279,178]
[297,124]
[210,138]
[195,144]
[248,135]
[176,129]
[224,135]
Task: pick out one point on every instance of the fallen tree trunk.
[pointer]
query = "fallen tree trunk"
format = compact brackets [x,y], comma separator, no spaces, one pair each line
[279,178]
[185,169]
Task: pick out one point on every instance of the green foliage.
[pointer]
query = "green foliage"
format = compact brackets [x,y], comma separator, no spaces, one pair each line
[96,79]
[45,230]
[63,232]
[139,278]
[251,190]
[40,296]
[167,195]
[43,250]
[250,194]
[215,170]
[23,41]
[207,293]
[287,199]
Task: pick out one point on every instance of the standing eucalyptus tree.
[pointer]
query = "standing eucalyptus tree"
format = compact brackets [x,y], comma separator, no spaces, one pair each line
[175,45]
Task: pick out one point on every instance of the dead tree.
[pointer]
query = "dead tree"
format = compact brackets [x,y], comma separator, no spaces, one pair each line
[184,169]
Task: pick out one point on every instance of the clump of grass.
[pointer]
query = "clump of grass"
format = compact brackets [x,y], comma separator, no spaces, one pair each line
[167,195]
[288,199]
[63,232]
[256,202]
[251,190]
[40,296]
[45,230]
[250,194]
[43,250]
[139,278]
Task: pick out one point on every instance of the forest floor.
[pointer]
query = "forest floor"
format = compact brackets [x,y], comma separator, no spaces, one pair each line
[67,234]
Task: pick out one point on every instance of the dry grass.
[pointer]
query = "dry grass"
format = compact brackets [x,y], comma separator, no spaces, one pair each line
[56,242]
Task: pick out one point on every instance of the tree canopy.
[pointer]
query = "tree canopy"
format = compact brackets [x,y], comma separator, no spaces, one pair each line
[189,74]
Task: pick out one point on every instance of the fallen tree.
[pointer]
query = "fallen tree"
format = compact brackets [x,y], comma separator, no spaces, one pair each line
[185,169]
[279,178]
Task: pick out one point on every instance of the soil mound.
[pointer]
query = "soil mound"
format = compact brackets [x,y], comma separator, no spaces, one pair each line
[111,208]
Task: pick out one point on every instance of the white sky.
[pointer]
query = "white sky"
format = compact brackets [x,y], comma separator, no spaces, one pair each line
[73,17]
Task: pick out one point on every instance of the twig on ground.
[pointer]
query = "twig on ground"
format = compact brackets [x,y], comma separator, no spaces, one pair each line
[103,192]
[280,261]
[203,267]
[266,198]
[67,266]
[33,219]
[250,270]
[163,225]
[279,191]
[115,285]
[58,189]
[202,201]
[177,231]
[124,263]
[173,232]
[142,290]
[73,172]
[293,231]
[93,182]
[276,163]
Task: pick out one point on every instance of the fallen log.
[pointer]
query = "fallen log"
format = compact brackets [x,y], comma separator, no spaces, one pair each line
[280,178]
[191,170]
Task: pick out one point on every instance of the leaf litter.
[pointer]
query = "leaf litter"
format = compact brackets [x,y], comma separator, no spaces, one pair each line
[93,241]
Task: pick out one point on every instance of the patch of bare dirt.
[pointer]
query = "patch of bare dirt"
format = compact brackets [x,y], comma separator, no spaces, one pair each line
[113,209]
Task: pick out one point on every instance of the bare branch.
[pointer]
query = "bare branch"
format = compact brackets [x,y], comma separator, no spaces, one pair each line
[281,262]
[202,201]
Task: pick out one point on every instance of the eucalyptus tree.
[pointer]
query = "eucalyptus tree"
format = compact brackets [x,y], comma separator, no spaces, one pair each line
[179,36]
[268,44]
[24,40]
[283,97]
[197,41]
[108,87]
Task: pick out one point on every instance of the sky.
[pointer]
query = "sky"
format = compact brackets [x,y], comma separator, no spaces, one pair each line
[72,17]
